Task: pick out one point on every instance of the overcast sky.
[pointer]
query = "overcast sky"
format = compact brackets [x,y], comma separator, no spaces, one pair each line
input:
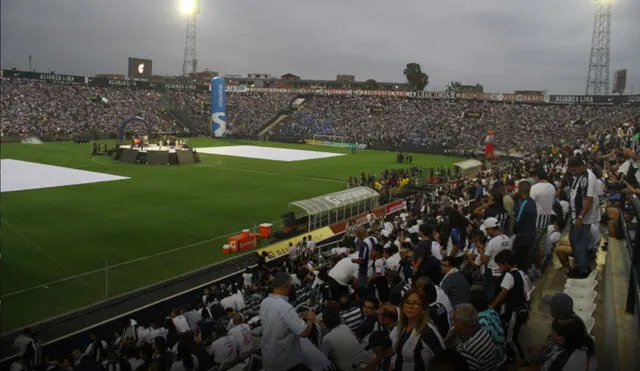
[503,44]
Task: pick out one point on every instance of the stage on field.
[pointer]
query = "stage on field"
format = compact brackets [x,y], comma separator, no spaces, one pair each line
[267,153]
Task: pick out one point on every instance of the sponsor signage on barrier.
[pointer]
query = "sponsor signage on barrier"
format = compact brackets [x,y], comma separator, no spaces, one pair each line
[42,76]
[282,248]
[327,143]
[234,88]
[104,82]
[434,95]
[180,86]
[594,99]
[394,207]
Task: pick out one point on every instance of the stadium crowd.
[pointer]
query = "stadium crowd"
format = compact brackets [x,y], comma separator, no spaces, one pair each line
[399,121]
[36,108]
[445,284]
[247,112]
[41,108]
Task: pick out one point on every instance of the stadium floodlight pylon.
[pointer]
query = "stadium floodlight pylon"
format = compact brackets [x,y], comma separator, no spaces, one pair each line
[598,74]
[190,8]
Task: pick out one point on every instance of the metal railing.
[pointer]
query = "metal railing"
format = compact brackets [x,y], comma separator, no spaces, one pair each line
[632,239]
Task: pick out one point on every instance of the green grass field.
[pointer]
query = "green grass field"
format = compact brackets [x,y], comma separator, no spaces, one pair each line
[172,219]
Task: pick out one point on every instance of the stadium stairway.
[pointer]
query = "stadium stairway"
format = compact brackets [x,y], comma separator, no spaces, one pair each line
[272,125]
[534,333]
[616,332]
[183,119]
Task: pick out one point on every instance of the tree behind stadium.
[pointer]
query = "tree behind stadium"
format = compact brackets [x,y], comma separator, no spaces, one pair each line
[416,79]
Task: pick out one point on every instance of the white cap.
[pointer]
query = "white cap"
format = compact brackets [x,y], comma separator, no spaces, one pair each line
[491,223]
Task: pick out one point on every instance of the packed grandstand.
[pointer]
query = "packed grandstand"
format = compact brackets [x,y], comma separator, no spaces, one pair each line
[441,122]
[444,282]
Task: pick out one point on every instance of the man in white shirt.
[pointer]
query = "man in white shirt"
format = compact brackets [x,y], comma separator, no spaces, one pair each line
[282,328]
[544,194]
[497,242]
[341,276]
[242,335]
[224,350]
[229,302]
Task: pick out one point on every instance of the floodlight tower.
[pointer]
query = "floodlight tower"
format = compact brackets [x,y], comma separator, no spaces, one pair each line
[598,75]
[190,8]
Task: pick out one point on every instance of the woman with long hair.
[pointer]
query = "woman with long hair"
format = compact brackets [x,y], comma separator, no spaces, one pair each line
[415,339]
[573,349]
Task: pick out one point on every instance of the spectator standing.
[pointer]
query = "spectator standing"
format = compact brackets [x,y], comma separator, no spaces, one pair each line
[364,251]
[514,294]
[525,230]
[282,328]
[544,194]
[454,283]
[425,264]
[498,242]
[584,213]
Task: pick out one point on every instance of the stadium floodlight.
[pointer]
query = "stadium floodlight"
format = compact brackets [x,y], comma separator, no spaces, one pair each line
[603,2]
[189,7]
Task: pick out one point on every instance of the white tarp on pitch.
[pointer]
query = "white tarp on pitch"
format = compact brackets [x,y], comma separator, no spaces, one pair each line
[16,175]
[267,153]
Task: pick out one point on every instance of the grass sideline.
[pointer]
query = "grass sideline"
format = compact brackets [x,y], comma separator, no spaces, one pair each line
[175,218]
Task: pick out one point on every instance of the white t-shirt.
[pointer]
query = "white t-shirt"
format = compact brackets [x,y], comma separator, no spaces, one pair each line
[494,246]
[243,337]
[344,271]
[565,208]
[379,267]
[388,226]
[311,245]
[293,252]
[223,350]
[443,298]
[393,262]
[229,302]
[181,324]
[544,194]
[553,236]
[593,214]
[436,250]
[247,277]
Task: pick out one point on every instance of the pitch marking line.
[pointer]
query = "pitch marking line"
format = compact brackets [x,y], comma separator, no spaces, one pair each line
[143,258]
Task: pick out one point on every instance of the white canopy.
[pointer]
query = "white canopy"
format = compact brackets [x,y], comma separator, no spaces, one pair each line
[337,206]
[468,167]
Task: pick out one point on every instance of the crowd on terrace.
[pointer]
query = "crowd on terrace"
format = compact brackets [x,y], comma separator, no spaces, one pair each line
[37,108]
[445,284]
[40,108]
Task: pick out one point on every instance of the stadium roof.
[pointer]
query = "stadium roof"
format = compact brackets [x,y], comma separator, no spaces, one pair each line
[336,200]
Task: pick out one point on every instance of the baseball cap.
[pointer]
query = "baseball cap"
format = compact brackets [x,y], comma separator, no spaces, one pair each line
[378,339]
[491,223]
